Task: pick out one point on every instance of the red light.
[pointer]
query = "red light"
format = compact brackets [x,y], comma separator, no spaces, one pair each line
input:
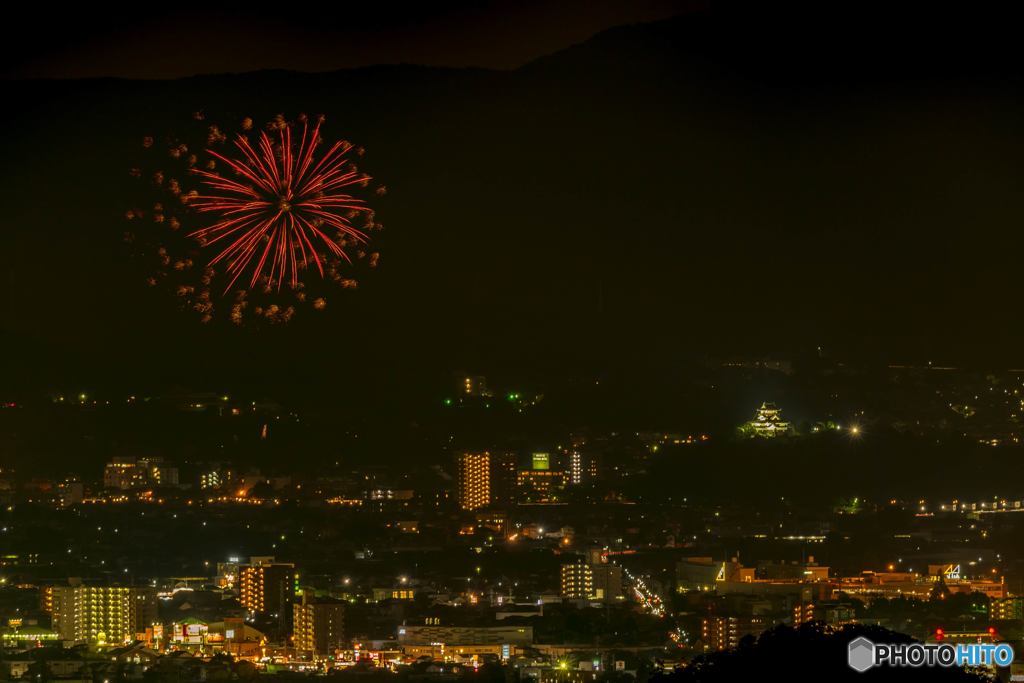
[301,220]
[939,633]
[991,630]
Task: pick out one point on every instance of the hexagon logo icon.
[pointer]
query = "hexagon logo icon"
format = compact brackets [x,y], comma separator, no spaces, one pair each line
[860,654]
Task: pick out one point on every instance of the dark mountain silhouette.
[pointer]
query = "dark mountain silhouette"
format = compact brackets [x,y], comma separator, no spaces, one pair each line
[730,179]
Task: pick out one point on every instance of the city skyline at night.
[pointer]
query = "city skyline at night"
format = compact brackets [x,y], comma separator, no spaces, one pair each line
[493,342]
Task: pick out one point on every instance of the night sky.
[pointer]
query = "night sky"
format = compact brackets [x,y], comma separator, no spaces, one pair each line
[571,191]
[179,41]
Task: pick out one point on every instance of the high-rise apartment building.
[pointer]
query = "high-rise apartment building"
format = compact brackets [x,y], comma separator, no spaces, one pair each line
[725,632]
[504,470]
[100,614]
[577,581]
[319,625]
[267,587]
[597,582]
[474,475]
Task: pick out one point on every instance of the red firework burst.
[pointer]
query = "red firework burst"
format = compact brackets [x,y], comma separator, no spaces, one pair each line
[286,206]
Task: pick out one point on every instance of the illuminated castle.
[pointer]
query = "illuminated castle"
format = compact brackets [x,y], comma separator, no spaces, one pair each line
[768,421]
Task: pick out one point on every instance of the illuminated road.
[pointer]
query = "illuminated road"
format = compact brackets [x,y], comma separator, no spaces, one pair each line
[651,603]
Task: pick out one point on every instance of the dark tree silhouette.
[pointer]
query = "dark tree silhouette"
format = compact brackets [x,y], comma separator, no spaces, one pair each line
[811,652]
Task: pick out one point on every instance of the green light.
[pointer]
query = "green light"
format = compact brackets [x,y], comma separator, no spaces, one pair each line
[447,401]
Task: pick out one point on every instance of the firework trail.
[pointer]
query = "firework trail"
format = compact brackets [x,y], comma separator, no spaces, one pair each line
[275,213]
[237,226]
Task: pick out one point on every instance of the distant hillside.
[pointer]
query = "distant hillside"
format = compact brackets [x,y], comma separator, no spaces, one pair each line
[729,180]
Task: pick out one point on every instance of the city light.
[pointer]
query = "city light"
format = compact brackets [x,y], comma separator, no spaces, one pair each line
[686,344]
